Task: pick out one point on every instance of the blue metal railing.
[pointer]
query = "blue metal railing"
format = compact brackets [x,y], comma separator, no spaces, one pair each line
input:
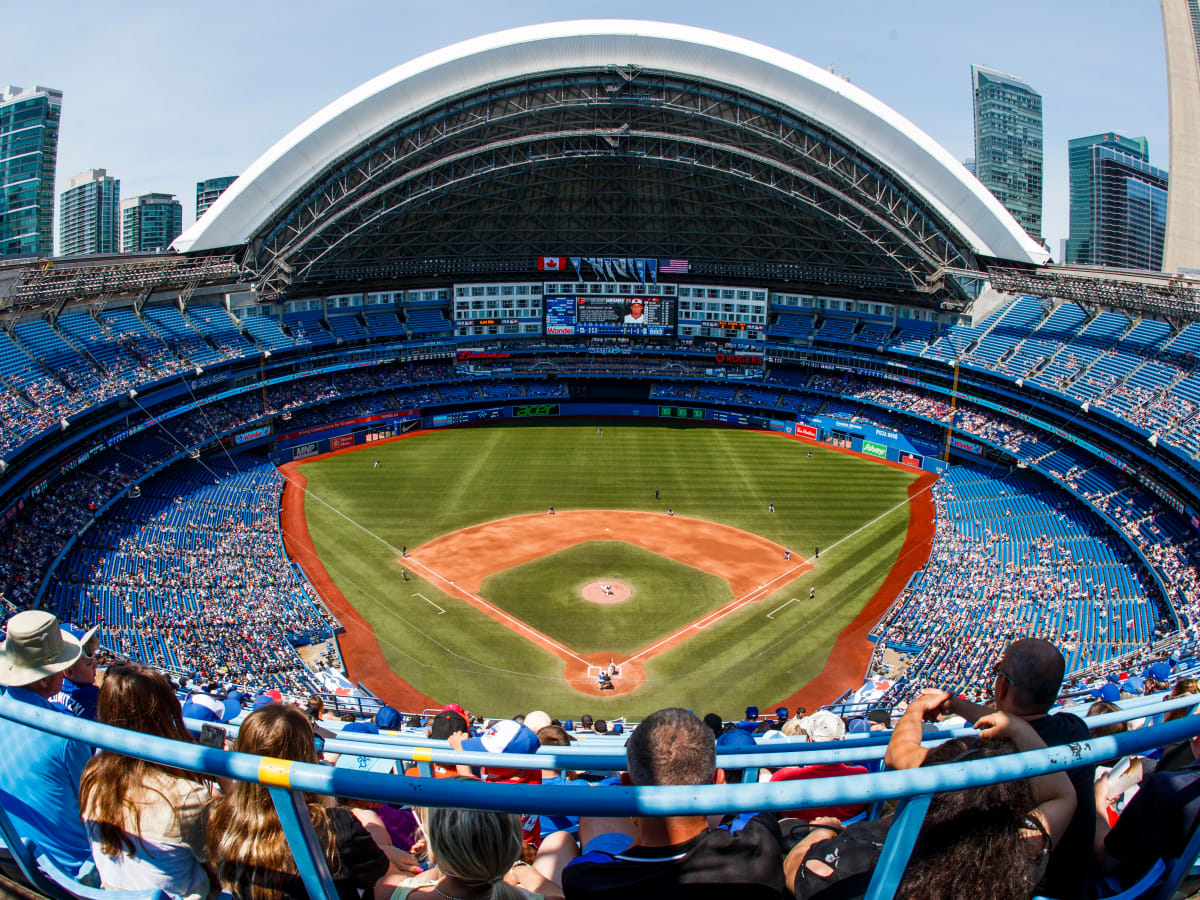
[288,780]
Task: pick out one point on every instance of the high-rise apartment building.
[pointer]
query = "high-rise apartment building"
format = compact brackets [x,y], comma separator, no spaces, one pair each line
[28,154]
[150,222]
[209,190]
[1008,144]
[89,216]
[1118,203]
[1181,28]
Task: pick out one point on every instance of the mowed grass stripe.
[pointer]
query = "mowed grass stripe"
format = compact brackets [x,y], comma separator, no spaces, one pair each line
[439,482]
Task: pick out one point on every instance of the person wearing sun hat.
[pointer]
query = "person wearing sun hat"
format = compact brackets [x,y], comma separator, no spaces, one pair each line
[39,781]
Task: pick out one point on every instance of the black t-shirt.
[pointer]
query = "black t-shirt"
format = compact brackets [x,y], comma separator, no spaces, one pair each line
[1157,823]
[716,864]
[1069,874]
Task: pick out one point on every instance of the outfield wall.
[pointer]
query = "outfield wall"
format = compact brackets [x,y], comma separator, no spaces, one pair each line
[350,433]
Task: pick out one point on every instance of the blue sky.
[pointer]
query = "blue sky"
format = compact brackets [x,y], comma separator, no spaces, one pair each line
[168,95]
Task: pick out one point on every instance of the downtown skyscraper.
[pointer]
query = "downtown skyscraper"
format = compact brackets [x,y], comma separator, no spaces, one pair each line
[1008,144]
[1118,203]
[150,222]
[89,218]
[28,155]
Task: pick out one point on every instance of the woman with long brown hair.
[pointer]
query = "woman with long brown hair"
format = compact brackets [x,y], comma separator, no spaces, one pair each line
[143,819]
[246,843]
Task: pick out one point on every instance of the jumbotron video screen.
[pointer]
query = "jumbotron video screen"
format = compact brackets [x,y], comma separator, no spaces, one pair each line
[634,316]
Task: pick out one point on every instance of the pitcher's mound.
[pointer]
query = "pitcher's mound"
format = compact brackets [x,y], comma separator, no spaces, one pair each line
[603,592]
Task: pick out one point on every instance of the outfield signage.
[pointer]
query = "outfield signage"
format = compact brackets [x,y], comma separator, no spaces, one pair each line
[806,431]
[911,459]
[303,450]
[873,449]
[345,423]
[341,442]
[252,435]
[544,409]
[969,446]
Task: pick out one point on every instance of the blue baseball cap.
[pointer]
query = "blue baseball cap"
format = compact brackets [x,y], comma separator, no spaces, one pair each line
[387,718]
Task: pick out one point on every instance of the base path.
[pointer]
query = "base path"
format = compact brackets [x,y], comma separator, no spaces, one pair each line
[360,648]
[459,562]
[468,556]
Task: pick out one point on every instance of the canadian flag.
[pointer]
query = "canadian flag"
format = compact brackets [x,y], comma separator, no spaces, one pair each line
[552,263]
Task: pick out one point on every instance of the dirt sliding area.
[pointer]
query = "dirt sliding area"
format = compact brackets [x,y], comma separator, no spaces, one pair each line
[459,562]
[753,566]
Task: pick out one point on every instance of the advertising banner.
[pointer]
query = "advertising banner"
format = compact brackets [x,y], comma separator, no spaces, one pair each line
[911,459]
[873,449]
[806,431]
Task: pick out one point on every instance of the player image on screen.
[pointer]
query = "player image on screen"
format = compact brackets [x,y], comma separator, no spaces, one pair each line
[632,316]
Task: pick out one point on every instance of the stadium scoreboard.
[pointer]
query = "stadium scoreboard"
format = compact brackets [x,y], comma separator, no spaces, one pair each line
[624,316]
[471,415]
[680,412]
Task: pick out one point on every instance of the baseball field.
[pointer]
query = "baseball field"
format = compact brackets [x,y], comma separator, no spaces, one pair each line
[709,596]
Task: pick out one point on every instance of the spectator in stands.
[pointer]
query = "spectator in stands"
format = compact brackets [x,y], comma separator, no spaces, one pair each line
[79,694]
[1156,824]
[144,819]
[986,841]
[476,854]
[41,767]
[680,855]
[245,840]
[1026,684]
[823,726]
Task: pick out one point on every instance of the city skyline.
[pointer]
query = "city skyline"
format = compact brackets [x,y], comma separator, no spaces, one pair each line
[161,120]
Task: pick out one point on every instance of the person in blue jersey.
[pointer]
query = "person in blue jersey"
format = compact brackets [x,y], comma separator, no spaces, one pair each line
[39,781]
[79,694]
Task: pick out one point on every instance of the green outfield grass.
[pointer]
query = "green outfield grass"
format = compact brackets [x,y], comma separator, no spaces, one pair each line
[546,595]
[439,482]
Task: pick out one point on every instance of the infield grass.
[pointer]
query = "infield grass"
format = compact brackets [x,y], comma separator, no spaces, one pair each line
[438,482]
[546,594]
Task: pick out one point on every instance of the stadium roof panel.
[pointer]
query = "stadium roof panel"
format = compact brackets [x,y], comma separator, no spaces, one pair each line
[287,172]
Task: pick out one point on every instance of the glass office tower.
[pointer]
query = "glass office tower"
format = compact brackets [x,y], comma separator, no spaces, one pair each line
[89,218]
[1008,144]
[150,222]
[28,154]
[209,190]
[1118,203]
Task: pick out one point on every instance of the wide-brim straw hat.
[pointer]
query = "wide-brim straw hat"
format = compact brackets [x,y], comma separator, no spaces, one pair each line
[35,648]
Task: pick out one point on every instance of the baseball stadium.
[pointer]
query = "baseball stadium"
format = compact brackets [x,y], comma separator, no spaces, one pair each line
[598,368]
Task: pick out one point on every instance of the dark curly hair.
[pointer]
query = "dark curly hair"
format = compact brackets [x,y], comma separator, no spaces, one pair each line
[970,844]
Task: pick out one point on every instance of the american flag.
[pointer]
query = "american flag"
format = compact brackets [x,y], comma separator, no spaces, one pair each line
[674,266]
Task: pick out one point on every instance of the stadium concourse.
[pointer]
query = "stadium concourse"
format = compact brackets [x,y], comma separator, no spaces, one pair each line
[373,276]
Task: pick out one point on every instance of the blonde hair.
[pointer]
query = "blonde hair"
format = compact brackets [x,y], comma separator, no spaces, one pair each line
[245,842]
[475,846]
[792,727]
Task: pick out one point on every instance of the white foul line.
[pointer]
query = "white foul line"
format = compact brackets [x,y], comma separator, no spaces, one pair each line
[771,614]
[431,603]
[712,618]
[498,613]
